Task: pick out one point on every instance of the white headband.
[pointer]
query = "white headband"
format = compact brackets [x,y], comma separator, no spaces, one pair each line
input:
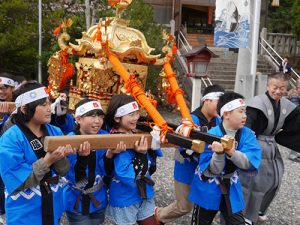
[31,96]
[87,107]
[126,109]
[212,96]
[234,104]
[7,81]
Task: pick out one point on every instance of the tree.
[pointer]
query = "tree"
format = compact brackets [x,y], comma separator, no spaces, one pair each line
[295,11]
[280,19]
[19,30]
[18,36]
[141,17]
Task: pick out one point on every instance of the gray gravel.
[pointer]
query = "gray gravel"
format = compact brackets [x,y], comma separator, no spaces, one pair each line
[285,210]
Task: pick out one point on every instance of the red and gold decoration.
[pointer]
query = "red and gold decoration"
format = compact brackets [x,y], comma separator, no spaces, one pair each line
[113,59]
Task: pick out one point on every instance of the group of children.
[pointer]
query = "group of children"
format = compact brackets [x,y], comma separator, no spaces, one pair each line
[89,185]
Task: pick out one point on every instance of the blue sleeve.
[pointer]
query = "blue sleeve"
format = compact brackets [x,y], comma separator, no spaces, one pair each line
[14,167]
[124,170]
[158,152]
[68,124]
[5,117]
[251,148]
[195,119]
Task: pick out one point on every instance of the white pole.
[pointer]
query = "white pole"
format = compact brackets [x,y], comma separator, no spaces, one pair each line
[87,14]
[254,44]
[40,43]
[196,93]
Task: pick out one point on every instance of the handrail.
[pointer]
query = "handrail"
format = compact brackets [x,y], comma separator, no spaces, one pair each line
[274,51]
[183,45]
[185,40]
[269,53]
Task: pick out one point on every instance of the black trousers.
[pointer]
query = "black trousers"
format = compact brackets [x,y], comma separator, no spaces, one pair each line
[203,216]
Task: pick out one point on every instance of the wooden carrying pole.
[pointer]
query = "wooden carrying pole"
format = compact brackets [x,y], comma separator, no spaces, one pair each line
[97,142]
[195,135]
[110,141]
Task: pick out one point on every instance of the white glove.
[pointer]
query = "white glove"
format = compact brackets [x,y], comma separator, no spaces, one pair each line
[58,108]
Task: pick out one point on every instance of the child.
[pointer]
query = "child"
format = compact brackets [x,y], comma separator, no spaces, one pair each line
[131,193]
[30,175]
[7,85]
[205,116]
[85,196]
[216,186]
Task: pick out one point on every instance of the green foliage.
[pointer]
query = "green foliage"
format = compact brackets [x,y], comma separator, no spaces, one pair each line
[295,11]
[282,19]
[19,32]
[18,36]
[141,17]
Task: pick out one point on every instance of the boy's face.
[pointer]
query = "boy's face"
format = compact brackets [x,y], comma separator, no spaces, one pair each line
[211,107]
[6,93]
[236,118]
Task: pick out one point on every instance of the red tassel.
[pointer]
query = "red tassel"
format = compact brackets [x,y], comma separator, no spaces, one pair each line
[174,49]
[98,35]
[113,2]
[66,75]
[57,30]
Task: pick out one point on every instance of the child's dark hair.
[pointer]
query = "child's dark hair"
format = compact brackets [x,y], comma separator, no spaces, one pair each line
[97,112]
[213,88]
[227,97]
[115,102]
[29,108]
[7,75]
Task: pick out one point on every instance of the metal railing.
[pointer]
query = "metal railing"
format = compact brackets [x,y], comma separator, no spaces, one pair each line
[183,42]
[272,53]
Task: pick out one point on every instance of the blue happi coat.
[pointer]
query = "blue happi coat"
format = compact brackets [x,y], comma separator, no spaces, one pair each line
[206,192]
[123,189]
[184,171]
[16,157]
[71,194]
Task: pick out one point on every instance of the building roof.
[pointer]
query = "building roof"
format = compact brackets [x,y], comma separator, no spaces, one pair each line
[199,50]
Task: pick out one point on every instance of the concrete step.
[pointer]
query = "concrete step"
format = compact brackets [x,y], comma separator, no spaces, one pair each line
[222,77]
[220,74]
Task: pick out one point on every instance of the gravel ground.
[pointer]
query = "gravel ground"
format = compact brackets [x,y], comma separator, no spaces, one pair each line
[285,210]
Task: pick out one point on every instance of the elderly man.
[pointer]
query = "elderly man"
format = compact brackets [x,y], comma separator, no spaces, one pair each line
[274,119]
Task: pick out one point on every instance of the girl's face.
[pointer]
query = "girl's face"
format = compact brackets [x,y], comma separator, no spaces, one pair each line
[236,118]
[128,122]
[90,124]
[42,114]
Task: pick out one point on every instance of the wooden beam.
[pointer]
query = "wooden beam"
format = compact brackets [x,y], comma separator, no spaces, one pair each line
[110,141]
